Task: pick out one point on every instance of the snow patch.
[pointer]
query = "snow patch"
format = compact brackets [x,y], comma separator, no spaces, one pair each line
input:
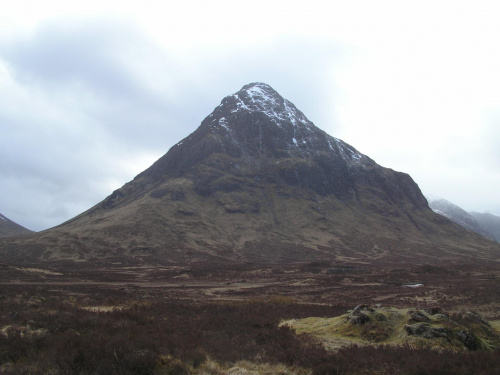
[430,198]
[229,135]
[261,98]
[3,218]
[240,105]
[348,153]
[294,141]
[223,122]
[356,156]
[440,213]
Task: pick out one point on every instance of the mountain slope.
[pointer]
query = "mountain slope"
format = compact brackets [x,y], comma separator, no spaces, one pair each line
[458,215]
[257,181]
[489,222]
[9,228]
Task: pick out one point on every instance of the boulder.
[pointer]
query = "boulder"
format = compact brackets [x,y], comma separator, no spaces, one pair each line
[434,310]
[418,316]
[468,339]
[359,314]
[426,331]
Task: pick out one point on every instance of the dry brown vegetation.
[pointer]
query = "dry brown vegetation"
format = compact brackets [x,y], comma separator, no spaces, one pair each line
[213,320]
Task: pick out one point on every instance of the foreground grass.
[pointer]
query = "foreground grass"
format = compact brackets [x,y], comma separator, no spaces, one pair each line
[391,326]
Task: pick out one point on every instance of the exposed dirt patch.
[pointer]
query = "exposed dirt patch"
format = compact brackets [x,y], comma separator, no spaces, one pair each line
[38,270]
[99,309]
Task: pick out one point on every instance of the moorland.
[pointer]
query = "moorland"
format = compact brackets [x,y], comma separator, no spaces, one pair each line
[231,319]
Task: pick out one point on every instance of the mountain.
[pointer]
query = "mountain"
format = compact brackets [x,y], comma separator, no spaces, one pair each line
[489,222]
[9,228]
[458,215]
[258,182]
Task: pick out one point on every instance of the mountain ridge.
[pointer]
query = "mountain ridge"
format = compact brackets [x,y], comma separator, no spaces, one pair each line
[9,228]
[471,221]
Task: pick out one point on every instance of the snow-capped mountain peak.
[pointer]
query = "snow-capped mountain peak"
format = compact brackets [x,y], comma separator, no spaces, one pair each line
[257,120]
[260,97]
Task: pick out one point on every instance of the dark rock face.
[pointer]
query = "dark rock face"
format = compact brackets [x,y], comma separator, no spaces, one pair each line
[256,135]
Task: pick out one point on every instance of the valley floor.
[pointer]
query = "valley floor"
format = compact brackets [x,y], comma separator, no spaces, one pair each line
[228,320]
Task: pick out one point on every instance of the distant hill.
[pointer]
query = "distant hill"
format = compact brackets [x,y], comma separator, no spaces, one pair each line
[258,182]
[9,228]
[457,214]
[489,222]
[461,217]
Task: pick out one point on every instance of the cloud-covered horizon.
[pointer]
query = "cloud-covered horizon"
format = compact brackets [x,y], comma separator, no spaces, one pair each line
[87,103]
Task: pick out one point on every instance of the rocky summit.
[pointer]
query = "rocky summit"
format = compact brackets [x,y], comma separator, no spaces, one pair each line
[258,182]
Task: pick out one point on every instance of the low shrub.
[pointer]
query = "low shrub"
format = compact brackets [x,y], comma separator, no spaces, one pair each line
[177,337]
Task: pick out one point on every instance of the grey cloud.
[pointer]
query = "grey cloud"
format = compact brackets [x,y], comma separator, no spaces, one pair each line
[492,141]
[82,53]
[92,66]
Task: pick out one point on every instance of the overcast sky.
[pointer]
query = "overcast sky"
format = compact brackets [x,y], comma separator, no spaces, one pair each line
[92,94]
